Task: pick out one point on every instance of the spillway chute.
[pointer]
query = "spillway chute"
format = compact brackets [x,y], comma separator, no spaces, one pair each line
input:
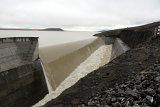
[77,64]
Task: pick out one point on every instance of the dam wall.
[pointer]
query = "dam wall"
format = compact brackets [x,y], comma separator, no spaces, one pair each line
[17,51]
[21,76]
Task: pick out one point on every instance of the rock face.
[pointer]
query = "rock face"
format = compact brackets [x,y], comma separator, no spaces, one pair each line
[144,53]
[21,75]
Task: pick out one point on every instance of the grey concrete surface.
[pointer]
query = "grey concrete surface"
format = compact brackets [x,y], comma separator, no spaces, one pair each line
[17,51]
[118,46]
[22,81]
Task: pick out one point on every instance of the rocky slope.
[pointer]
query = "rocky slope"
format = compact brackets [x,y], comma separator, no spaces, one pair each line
[139,89]
[144,53]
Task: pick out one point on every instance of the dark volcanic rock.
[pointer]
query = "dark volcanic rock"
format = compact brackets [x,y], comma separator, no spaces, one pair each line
[132,97]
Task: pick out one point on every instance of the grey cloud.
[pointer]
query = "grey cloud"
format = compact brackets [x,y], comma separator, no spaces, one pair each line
[77,13]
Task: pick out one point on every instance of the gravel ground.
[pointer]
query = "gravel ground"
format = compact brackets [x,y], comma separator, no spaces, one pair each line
[139,90]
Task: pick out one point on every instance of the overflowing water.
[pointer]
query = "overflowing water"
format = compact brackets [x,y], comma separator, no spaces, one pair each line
[98,58]
[66,56]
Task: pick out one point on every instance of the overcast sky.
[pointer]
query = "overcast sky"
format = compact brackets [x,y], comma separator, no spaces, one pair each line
[78,14]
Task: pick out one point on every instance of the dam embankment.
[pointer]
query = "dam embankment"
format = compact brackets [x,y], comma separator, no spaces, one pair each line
[144,52]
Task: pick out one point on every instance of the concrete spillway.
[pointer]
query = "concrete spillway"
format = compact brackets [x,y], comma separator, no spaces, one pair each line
[57,67]
[67,70]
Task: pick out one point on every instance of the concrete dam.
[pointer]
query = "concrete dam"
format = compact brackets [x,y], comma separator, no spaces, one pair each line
[21,75]
[30,74]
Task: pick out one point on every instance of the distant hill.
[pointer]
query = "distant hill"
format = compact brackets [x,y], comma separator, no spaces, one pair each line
[53,29]
[46,29]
